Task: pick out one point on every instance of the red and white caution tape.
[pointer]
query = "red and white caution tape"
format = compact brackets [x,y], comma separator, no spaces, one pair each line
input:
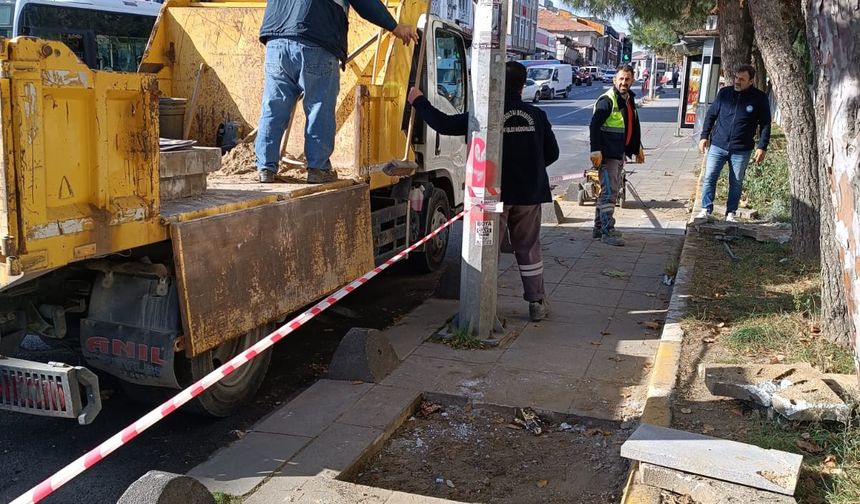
[98,453]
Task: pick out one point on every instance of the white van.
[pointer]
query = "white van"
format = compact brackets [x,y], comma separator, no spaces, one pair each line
[557,77]
[596,73]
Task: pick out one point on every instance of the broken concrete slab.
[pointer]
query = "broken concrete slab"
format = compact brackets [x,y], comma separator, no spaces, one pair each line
[795,391]
[846,386]
[705,490]
[721,459]
[759,232]
[364,355]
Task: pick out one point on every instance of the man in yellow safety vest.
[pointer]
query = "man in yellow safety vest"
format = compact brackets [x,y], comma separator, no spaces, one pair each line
[615,136]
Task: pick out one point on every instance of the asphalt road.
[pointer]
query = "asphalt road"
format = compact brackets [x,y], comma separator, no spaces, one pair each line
[33,448]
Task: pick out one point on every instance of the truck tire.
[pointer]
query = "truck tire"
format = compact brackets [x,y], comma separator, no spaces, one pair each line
[225,397]
[232,392]
[436,212]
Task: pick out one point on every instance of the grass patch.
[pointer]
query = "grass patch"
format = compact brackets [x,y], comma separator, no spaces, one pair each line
[765,309]
[831,476]
[462,339]
[766,185]
[223,498]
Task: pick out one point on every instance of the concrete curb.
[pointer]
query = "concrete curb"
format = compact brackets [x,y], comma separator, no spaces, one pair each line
[661,384]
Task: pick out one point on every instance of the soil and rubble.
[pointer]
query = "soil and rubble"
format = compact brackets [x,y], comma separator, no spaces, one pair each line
[482,455]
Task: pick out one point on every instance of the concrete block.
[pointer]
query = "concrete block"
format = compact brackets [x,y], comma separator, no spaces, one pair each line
[240,467]
[158,487]
[193,161]
[551,213]
[363,354]
[706,490]
[795,391]
[846,386]
[182,186]
[721,459]
[314,409]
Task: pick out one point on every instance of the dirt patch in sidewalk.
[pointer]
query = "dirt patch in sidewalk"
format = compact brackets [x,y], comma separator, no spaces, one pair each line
[477,455]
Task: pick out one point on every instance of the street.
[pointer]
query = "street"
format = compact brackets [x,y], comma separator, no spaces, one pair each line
[35,447]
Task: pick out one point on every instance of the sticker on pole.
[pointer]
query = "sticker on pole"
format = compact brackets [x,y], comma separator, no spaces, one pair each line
[484,232]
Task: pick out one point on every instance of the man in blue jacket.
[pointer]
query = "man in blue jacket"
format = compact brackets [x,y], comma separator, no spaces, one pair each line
[304,40]
[728,135]
[528,147]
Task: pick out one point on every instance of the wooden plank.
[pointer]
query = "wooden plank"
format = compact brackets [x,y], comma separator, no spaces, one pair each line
[239,270]
[721,459]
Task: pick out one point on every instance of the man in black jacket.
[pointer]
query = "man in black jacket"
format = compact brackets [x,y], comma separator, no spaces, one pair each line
[615,135]
[729,129]
[304,41]
[528,147]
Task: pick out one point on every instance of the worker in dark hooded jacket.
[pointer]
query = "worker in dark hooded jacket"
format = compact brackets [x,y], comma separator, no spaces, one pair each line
[304,40]
[615,136]
[529,146]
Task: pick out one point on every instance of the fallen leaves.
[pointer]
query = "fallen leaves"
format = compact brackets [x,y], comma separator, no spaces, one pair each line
[653,324]
[596,343]
[808,446]
[542,483]
[707,429]
[598,431]
[686,411]
[428,408]
[617,358]
[776,359]
[709,340]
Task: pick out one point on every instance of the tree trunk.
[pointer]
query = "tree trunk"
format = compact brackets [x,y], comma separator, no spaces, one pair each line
[736,35]
[775,31]
[760,80]
[835,323]
[835,28]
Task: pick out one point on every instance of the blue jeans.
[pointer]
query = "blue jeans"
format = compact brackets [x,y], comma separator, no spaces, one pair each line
[294,67]
[738,162]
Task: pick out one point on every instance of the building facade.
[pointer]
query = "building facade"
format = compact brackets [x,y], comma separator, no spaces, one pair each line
[459,11]
[522,28]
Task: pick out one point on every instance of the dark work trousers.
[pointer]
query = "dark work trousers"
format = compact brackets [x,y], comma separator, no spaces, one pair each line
[610,186]
[521,225]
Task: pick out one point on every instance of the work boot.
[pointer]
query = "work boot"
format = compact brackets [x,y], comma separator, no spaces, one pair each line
[538,310]
[596,233]
[317,176]
[613,239]
[266,176]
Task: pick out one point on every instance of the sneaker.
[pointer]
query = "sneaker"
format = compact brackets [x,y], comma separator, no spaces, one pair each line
[266,176]
[614,240]
[706,215]
[538,310]
[317,176]
[731,217]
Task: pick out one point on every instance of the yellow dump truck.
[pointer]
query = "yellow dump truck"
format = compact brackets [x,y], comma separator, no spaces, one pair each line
[112,245]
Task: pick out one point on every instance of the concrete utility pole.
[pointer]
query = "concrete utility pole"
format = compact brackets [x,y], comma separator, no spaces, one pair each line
[479,274]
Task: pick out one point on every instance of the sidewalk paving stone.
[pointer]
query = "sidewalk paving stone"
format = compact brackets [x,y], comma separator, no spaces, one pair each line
[594,296]
[570,361]
[243,465]
[314,409]
[381,408]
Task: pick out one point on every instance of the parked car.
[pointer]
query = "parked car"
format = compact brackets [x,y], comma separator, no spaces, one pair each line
[608,75]
[534,91]
[558,79]
[596,73]
[582,76]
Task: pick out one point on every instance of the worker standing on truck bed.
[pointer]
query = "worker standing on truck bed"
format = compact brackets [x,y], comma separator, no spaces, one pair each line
[529,146]
[304,41]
